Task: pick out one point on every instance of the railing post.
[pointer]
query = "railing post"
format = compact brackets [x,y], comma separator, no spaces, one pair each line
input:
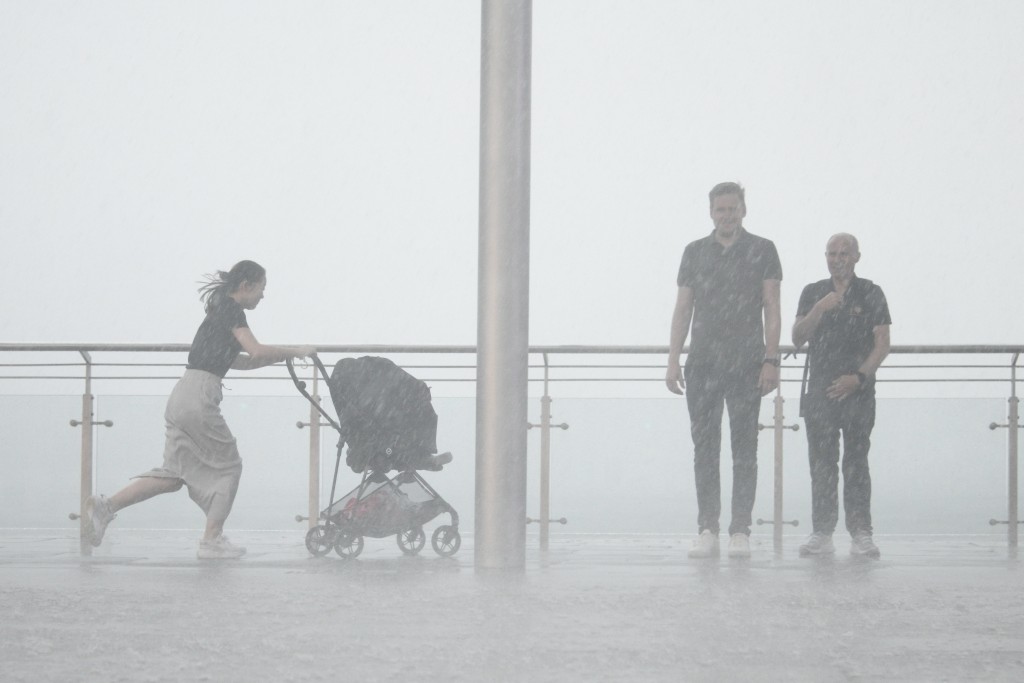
[314,424]
[545,462]
[777,512]
[86,474]
[778,427]
[1011,459]
[314,456]
[85,484]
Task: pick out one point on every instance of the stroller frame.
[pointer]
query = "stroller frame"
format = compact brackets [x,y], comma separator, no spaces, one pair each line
[341,529]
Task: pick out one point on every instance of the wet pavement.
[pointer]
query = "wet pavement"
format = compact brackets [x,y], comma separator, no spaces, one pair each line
[591,608]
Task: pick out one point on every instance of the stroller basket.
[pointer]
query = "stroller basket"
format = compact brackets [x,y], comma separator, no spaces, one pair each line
[385,508]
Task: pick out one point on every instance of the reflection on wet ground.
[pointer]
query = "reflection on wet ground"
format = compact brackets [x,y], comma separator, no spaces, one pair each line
[592,608]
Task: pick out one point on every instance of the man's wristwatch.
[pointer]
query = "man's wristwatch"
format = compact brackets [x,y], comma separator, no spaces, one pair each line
[862,377]
[771,361]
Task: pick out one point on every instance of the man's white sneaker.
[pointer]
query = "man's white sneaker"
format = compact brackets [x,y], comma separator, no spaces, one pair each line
[219,548]
[706,545]
[739,546]
[97,516]
[818,543]
[864,546]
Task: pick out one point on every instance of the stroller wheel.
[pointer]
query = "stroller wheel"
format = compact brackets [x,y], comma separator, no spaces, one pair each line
[446,540]
[348,545]
[318,540]
[411,541]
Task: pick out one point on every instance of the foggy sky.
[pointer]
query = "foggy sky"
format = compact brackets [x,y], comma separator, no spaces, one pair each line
[144,144]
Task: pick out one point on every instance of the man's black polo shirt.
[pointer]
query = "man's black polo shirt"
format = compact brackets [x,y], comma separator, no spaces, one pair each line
[846,335]
[728,288]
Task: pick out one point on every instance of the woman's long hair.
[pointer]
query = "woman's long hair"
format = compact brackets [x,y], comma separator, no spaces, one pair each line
[222,284]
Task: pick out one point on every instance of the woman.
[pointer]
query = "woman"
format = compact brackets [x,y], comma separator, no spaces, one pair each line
[200,452]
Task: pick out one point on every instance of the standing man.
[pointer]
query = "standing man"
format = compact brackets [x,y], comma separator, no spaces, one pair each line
[729,289]
[846,320]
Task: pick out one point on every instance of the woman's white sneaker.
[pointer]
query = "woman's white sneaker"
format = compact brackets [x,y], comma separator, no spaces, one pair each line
[219,548]
[97,516]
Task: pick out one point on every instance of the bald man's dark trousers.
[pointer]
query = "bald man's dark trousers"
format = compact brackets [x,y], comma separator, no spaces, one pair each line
[854,418]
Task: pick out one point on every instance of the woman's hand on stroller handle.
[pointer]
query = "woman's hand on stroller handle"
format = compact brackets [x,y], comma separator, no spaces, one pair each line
[304,351]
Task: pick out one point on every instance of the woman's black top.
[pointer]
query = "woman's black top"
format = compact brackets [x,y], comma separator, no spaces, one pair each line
[215,348]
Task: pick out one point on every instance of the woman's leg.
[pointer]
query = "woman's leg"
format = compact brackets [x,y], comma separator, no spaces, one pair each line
[214,545]
[214,528]
[100,511]
[142,489]
[220,506]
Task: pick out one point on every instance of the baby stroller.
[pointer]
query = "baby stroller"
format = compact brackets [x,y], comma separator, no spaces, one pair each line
[385,417]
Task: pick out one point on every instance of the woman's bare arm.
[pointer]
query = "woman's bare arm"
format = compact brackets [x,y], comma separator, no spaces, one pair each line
[257,355]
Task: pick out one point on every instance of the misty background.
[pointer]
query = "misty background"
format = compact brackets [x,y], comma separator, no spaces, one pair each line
[337,143]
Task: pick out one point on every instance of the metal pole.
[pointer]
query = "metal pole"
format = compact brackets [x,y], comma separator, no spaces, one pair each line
[545,461]
[777,514]
[85,484]
[1011,459]
[503,284]
[314,456]
[778,426]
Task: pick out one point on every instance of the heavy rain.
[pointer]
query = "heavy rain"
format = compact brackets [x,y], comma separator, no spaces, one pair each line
[344,147]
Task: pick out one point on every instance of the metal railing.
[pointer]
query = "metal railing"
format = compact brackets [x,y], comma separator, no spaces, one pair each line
[557,364]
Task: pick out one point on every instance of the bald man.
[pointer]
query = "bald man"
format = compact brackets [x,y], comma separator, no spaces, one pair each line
[846,320]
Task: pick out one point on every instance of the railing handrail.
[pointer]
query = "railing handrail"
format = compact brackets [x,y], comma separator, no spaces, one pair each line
[564,357]
[579,349]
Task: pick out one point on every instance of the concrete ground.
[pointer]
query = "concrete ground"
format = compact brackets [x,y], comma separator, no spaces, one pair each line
[591,608]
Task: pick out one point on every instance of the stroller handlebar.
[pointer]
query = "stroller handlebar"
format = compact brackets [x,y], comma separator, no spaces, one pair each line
[301,386]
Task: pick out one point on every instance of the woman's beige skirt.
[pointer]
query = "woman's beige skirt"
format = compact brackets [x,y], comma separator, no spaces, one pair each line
[200,449]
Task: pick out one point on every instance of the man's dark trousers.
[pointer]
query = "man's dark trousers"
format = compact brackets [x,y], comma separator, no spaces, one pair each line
[707,389]
[855,417]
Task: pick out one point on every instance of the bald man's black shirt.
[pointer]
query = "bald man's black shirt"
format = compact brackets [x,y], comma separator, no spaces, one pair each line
[845,336]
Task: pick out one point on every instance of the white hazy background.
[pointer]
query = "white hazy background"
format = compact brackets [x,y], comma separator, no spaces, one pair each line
[143,144]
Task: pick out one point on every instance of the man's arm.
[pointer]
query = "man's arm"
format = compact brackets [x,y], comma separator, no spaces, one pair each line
[770,295]
[878,352]
[772,317]
[849,384]
[681,317]
[806,325]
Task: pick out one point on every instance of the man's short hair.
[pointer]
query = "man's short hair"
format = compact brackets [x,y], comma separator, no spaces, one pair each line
[727,188]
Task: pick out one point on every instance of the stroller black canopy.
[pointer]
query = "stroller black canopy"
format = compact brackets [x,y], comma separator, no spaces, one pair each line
[384,414]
